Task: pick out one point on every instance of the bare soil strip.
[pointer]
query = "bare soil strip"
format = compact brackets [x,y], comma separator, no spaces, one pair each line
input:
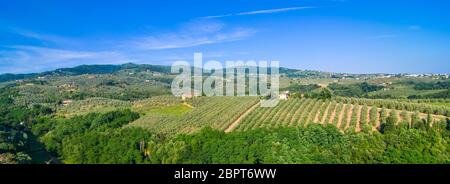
[333,114]
[238,120]
[349,116]
[325,114]
[291,122]
[341,114]
[316,117]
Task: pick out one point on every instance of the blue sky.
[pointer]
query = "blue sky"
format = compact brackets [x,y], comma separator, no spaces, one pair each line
[356,36]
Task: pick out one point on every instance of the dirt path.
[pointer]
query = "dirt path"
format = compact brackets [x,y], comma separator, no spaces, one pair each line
[188,105]
[316,117]
[325,114]
[296,114]
[333,114]
[341,115]
[349,116]
[238,120]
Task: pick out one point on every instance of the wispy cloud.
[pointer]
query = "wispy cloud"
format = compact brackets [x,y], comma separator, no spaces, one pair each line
[44,38]
[53,52]
[267,11]
[275,10]
[190,35]
[31,58]
[217,16]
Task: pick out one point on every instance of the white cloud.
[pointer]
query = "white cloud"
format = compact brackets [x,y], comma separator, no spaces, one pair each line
[31,58]
[268,11]
[44,38]
[56,52]
[274,10]
[190,35]
[217,16]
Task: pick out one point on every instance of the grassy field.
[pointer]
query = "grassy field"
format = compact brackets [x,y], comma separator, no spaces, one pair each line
[160,104]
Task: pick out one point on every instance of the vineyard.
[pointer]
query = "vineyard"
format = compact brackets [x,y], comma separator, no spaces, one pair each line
[400,105]
[215,112]
[346,115]
[156,103]
[171,115]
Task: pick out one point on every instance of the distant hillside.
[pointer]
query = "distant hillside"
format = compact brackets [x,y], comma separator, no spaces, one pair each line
[109,69]
[293,73]
[88,69]
[10,77]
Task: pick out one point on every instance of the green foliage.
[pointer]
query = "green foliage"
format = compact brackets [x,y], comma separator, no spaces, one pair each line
[364,112]
[420,106]
[373,115]
[79,125]
[430,85]
[353,90]
[301,89]
[117,146]
[101,129]
[158,103]
[295,112]
[391,122]
[445,94]
[15,137]
[383,115]
[312,144]
[324,94]
[14,158]
[90,105]
[10,77]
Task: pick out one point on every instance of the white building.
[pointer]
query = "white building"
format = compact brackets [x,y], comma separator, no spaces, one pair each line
[284,95]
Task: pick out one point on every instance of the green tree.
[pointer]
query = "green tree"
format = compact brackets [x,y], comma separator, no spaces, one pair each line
[429,121]
[325,94]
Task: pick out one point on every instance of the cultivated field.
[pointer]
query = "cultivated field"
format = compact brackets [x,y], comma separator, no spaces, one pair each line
[171,115]
[215,112]
[344,115]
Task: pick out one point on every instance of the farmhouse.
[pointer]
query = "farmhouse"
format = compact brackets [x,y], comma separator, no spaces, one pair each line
[186,96]
[284,95]
[194,93]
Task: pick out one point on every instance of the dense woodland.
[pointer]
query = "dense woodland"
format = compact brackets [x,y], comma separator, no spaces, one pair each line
[117,115]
